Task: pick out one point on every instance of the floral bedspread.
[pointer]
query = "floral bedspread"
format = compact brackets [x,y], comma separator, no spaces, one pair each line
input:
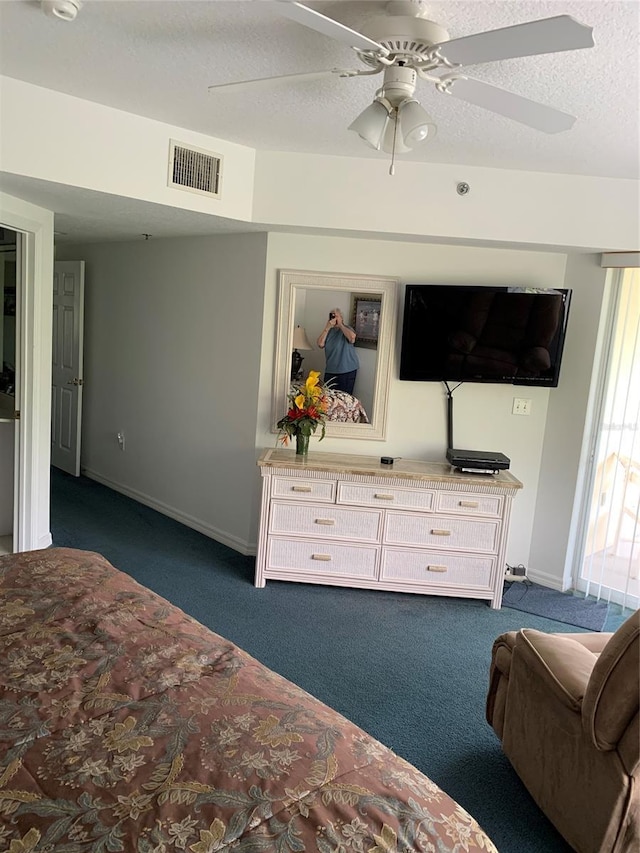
[125,725]
[345,408]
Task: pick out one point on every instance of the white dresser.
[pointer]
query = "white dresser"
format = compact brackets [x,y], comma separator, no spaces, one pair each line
[413,526]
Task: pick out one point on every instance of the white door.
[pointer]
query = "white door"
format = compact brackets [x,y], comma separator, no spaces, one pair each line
[67,381]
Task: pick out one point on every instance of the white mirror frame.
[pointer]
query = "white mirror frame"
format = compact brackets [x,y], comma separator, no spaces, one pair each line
[292,280]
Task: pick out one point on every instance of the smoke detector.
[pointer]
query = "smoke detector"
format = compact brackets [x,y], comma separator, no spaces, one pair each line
[64,10]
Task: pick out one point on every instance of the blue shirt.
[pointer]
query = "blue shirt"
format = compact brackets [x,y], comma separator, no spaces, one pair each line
[340,354]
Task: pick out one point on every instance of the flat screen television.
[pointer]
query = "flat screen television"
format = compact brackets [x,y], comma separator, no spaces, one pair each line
[469,333]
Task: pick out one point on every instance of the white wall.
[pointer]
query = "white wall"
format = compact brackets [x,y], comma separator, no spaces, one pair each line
[172,351]
[168,386]
[417,417]
[180,341]
[59,138]
[526,209]
[56,137]
[560,471]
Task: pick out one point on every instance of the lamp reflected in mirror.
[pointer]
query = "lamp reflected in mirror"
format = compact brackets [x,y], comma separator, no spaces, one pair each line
[300,342]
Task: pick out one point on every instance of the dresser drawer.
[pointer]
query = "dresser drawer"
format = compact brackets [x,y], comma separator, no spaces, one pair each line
[470,504]
[358,494]
[292,488]
[325,522]
[433,567]
[322,558]
[442,532]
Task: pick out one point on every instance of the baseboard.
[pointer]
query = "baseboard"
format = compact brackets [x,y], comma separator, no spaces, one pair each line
[545,579]
[245,548]
[45,541]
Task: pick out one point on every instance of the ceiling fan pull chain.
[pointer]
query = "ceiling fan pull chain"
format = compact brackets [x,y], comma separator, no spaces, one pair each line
[392,167]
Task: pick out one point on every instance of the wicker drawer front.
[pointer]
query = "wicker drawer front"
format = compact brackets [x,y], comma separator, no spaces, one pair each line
[325,522]
[292,488]
[442,532]
[436,568]
[324,558]
[362,495]
[470,504]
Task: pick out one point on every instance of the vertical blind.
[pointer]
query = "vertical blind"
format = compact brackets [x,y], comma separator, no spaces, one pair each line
[611,562]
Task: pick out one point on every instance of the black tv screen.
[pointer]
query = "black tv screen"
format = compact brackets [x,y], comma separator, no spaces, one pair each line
[465,333]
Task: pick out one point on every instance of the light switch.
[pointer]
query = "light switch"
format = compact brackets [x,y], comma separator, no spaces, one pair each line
[521,406]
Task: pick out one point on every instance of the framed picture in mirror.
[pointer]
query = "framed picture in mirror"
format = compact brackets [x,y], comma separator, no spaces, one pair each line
[366,309]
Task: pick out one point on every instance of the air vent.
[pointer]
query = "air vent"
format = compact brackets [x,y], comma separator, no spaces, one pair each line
[194,169]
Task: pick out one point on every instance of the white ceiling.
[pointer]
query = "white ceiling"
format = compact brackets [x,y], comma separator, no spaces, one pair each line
[156,58]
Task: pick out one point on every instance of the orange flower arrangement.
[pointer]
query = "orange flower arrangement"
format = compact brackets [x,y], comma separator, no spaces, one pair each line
[308,405]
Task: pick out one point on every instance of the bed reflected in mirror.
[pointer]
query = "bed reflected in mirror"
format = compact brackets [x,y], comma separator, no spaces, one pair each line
[368,307]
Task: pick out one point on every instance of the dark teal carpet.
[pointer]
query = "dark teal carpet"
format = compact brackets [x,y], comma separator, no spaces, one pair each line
[572,609]
[411,670]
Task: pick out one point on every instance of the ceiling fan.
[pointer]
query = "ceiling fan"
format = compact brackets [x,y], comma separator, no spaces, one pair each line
[405,46]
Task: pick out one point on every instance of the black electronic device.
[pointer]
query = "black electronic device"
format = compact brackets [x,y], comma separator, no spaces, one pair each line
[471,461]
[469,333]
[478,461]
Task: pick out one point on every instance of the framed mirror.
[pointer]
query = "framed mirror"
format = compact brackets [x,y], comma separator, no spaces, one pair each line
[368,305]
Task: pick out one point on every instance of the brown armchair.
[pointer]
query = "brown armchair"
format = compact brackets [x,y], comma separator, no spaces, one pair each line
[565,707]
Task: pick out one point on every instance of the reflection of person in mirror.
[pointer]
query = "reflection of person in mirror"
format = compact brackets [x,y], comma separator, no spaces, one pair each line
[341,359]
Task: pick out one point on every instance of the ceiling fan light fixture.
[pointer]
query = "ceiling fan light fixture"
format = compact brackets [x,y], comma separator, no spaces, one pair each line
[370,125]
[392,142]
[415,123]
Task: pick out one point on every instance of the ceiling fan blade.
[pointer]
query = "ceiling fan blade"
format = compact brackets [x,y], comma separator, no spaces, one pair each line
[508,104]
[327,26]
[549,35]
[237,85]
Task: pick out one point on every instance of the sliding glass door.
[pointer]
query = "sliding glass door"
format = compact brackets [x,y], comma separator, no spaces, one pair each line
[608,565]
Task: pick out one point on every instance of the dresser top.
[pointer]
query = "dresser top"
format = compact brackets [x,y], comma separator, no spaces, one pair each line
[410,469]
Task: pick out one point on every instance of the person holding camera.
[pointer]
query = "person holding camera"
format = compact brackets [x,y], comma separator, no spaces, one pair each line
[341,359]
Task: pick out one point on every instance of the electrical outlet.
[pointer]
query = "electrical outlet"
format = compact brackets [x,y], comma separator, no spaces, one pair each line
[515,573]
[521,406]
[120,436]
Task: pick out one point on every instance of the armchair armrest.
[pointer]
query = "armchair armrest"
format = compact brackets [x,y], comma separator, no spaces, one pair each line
[613,699]
[563,664]
[499,681]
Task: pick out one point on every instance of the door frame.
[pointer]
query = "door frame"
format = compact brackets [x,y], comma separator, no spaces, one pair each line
[32,529]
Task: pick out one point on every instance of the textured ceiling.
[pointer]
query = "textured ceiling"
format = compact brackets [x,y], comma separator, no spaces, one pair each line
[156,58]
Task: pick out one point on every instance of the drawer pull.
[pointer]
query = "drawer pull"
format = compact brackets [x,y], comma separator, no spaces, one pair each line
[324,557]
[328,521]
[301,488]
[436,568]
[438,531]
[470,504]
[382,497]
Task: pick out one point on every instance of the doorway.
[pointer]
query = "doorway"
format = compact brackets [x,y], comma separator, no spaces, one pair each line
[9,326]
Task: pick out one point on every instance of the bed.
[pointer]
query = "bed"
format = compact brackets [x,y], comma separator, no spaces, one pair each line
[345,408]
[125,725]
